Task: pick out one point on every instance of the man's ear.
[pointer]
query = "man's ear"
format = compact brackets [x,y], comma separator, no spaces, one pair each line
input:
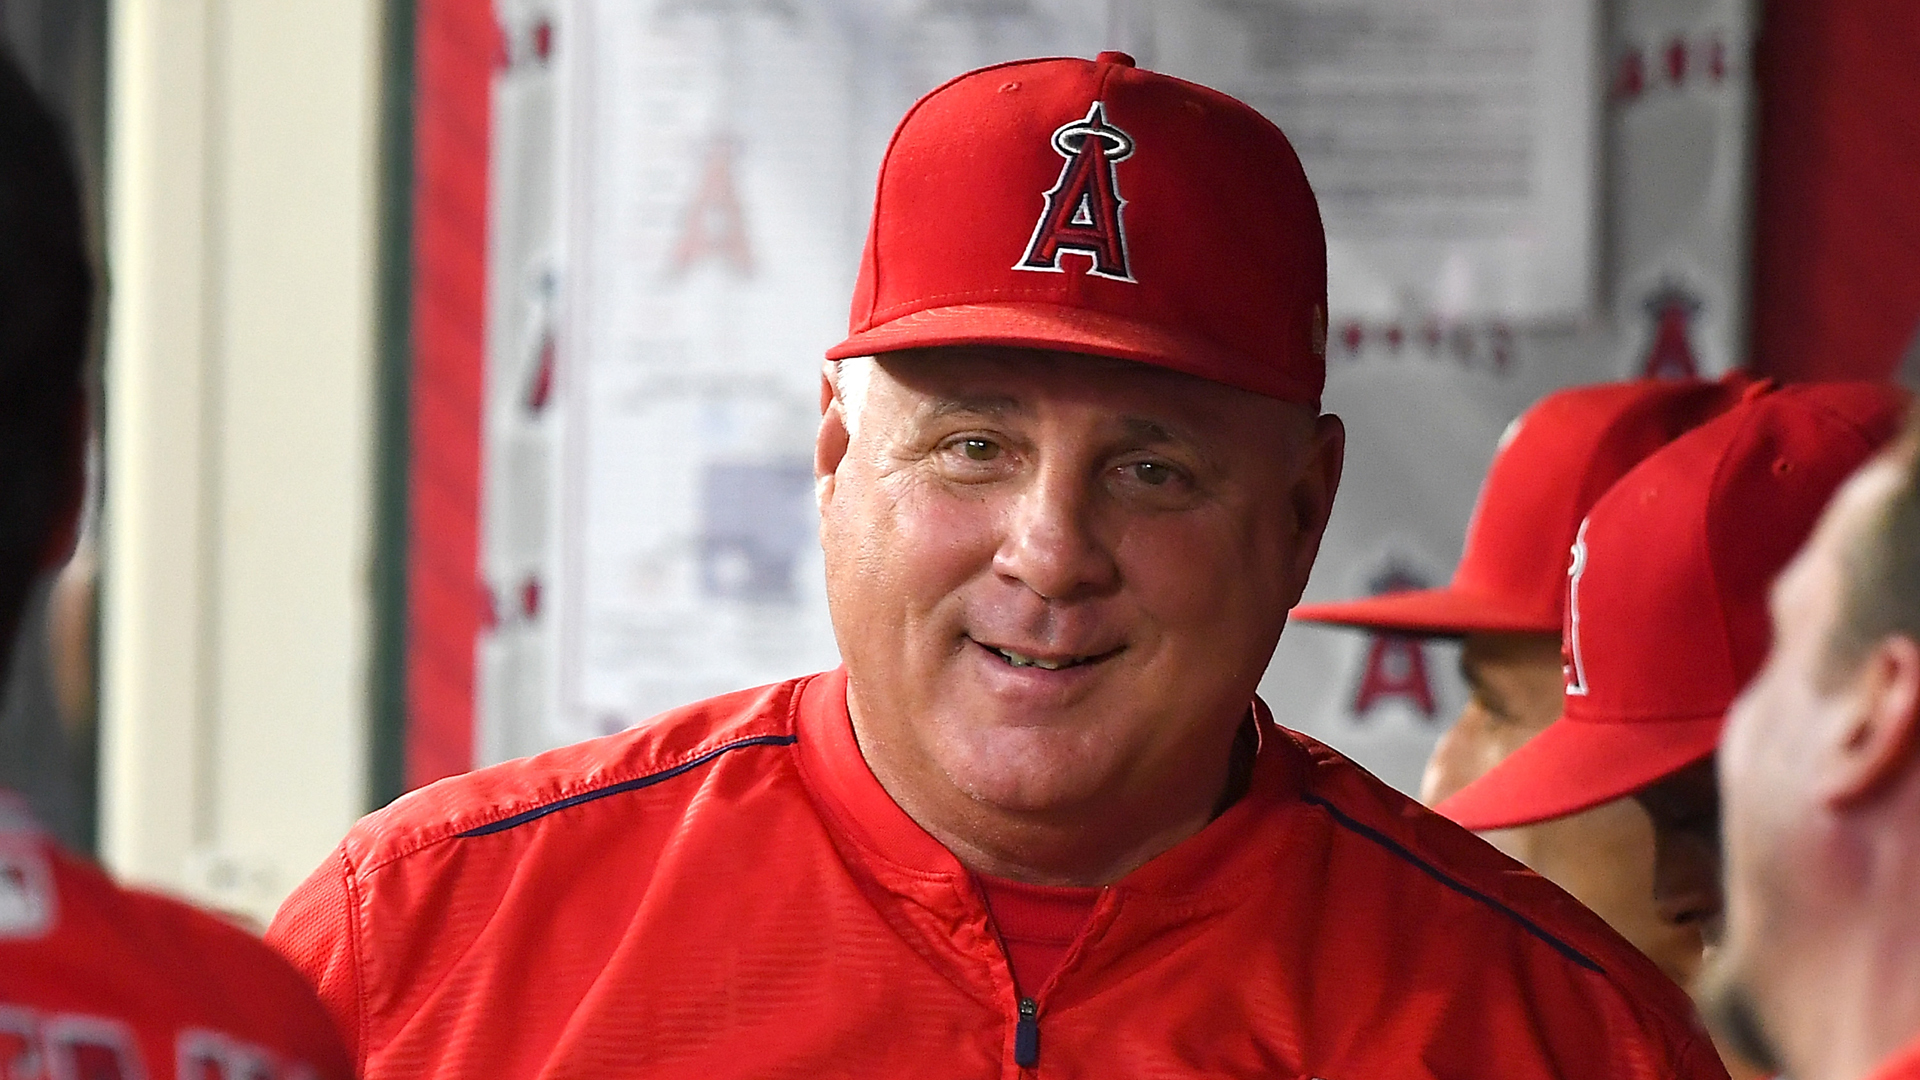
[831,441]
[1312,496]
[63,528]
[1876,746]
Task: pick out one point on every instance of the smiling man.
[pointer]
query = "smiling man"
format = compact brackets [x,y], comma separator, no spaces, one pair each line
[1072,474]
[1820,777]
[1052,576]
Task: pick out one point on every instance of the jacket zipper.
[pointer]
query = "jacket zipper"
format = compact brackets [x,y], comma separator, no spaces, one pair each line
[1026,1035]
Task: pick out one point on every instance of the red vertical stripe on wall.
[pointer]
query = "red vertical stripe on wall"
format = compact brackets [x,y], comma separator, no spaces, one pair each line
[1836,285]
[457,43]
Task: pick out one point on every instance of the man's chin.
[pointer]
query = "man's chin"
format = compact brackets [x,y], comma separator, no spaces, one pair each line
[1730,1010]
[1025,770]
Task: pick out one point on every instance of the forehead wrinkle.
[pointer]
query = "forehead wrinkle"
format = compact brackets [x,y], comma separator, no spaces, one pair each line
[994,406]
[1145,431]
[1141,429]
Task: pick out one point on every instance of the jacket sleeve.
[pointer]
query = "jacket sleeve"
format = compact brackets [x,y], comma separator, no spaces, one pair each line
[318,930]
[1700,1060]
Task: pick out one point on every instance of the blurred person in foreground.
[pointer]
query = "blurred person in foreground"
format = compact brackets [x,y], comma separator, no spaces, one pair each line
[1072,473]
[1666,621]
[1505,604]
[1820,788]
[96,981]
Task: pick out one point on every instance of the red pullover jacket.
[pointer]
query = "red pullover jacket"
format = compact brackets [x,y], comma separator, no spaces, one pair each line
[727,891]
[1903,1065]
[98,982]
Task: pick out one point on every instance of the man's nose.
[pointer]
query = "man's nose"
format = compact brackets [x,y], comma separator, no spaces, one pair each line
[1052,543]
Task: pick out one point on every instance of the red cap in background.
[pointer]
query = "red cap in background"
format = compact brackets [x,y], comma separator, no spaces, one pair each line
[1667,596]
[1554,461]
[1093,207]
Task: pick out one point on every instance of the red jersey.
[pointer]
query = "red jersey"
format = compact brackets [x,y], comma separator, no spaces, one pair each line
[1903,1065]
[727,891]
[98,982]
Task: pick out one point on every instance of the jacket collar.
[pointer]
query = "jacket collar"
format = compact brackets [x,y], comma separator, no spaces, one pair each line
[862,811]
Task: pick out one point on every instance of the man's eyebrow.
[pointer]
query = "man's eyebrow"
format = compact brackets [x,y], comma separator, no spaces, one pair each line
[1141,429]
[971,405]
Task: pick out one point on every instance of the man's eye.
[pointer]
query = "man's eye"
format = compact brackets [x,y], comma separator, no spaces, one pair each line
[979,449]
[1151,473]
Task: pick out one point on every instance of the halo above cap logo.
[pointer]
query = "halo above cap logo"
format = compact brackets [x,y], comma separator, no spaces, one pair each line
[1082,209]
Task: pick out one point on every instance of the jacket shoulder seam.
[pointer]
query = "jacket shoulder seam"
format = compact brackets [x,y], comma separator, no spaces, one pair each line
[411,840]
[620,787]
[1405,854]
[351,881]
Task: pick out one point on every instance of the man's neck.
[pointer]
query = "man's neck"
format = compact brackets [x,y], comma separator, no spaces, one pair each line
[1081,846]
[1858,1001]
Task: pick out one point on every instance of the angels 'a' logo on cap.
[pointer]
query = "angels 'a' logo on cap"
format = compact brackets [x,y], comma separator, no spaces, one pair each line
[1083,208]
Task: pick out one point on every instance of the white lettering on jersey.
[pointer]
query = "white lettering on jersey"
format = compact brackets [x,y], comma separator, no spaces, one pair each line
[209,1055]
[26,892]
[89,1048]
[1576,668]
[19,1044]
[75,1046]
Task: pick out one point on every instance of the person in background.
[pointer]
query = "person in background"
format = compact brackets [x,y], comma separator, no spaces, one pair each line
[1072,474]
[1505,604]
[1819,782]
[1666,621]
[97,981]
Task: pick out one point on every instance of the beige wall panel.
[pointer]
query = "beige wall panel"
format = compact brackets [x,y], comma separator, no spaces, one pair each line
[288,183]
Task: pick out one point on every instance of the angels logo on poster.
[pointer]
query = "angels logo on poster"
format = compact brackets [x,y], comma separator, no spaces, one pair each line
[1391,695]
[1395,669]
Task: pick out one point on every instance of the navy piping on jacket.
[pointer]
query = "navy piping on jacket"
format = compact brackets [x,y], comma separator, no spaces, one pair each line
[634,784]
[1460,887]
[1338,815]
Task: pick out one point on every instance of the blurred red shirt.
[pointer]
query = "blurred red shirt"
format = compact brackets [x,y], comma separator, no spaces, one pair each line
[98,982]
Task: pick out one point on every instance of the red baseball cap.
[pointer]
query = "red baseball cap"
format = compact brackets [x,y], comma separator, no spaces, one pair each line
[1552,463]
[1094,207]
[1667,596]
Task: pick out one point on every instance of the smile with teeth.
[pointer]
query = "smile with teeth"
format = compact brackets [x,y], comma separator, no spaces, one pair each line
[1022,660]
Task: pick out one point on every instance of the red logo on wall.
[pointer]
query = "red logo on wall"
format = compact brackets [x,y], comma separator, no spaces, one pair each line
[715,227]
[1671,355]
[1396,665]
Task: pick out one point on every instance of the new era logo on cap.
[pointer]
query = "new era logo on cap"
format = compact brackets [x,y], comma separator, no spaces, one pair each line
[1093,207]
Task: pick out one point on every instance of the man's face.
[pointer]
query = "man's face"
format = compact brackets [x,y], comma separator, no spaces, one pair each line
[1768,783]
[1685,810]
[1604,857]
[1056,579]
[1514,683]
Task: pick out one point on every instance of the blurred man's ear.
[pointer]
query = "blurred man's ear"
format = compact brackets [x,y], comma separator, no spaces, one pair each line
[63,528]
[1876,745]
[1312,496]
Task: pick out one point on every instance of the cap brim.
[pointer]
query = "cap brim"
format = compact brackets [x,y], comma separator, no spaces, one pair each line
[1445,612]
[1575,765]
[1079,330]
